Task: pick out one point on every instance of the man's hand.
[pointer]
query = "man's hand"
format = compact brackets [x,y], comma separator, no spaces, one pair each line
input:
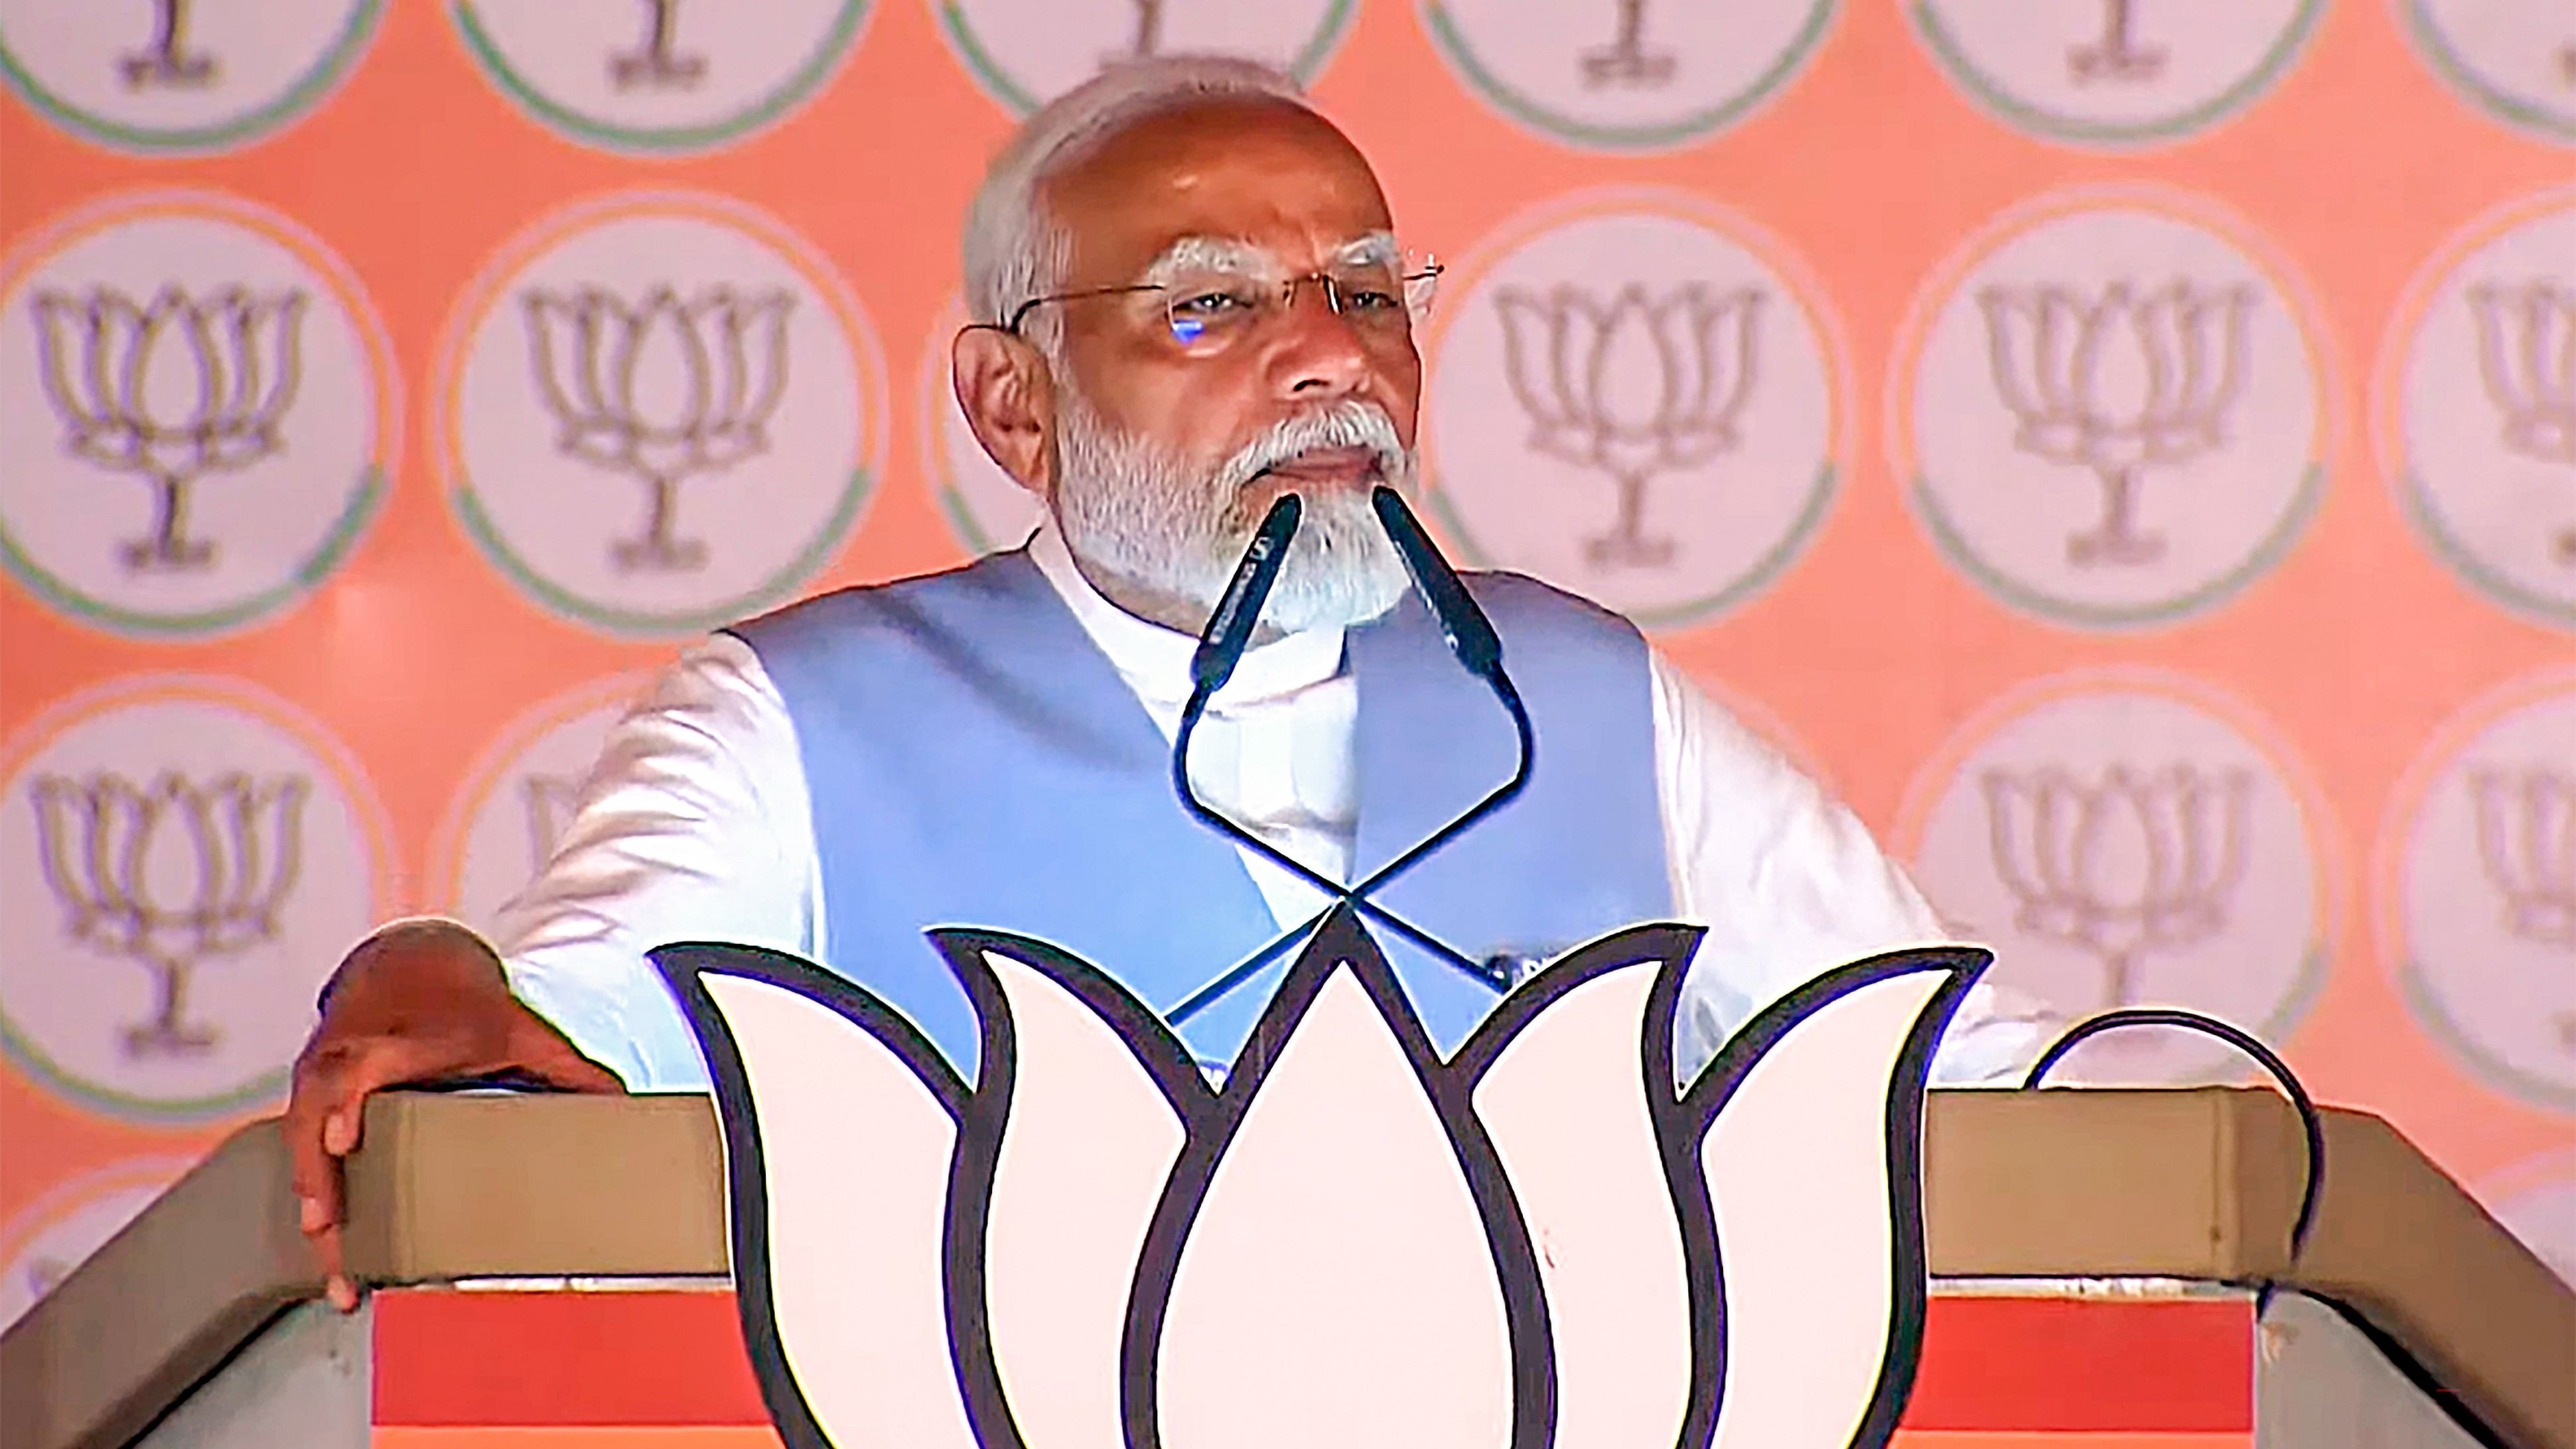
[420,1001]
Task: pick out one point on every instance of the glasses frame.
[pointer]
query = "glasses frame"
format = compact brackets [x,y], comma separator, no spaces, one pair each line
[1427,273]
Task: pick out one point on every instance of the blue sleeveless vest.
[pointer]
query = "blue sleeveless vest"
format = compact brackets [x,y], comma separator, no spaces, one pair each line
[973,759]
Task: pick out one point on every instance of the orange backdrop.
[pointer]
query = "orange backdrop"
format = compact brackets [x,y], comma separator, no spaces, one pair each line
[2127,449]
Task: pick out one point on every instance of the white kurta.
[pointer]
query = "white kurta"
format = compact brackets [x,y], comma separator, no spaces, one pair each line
[696,824]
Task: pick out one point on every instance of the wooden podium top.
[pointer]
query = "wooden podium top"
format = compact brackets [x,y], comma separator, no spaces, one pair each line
[2197,1184]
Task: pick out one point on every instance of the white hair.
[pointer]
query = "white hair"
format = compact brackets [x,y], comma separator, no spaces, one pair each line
[1013,250]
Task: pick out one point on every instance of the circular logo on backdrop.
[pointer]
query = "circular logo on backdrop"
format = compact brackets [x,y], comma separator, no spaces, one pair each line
[2536,1202]
[1025,53]
[519,799]
[55,1234]
[1635,396]
[659,412]
[2477,407]
[2478,890]
[2124,838]
[201,406]
[174,77]
[2513,59]
[2111,409]
[661,76]
[984,507]
[1638,75]
[183,862]
[2114,72]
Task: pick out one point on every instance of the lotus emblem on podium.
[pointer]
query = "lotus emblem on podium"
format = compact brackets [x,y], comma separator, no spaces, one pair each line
[1538,1241]
[2527,847]
[1634,387]
[2140,861]
[661,390]
[171,391]
[2116,385]
[168,875]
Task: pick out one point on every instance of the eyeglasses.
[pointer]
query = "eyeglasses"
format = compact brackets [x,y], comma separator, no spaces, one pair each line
[1205,312]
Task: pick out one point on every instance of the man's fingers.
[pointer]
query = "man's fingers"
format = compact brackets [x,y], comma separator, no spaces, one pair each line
[381,1062]
[316,1174]
[574,1072]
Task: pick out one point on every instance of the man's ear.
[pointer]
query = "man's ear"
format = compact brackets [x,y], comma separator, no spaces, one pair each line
[1008,396]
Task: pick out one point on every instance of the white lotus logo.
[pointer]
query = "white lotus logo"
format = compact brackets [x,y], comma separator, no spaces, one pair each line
[1351,1242]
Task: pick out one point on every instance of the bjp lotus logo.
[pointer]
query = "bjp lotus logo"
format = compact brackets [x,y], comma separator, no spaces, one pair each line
[2115,54]
[1625,61]
[2116,385]
[2526,822]
[653,64]
[2118,73]
[1638,386]
[2515,60]
[1024,53]
[679,345]
[168,875]
[2134,862]
[660,77]
[1351,1241]
[167,62]
[161,76]
[2474,403]
[1626,75]
[722,360]
[2527,362]
[2476,883]
[170,392]
[2113,407]
[1673,399]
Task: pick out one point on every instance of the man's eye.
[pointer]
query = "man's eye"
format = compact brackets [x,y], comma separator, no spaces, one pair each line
[1207,306]
[1370,299]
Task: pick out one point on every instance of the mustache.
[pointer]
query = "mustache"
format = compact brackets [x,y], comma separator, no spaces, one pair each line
[1350,424]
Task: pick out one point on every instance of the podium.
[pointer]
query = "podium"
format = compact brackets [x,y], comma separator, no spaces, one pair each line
[549,1273]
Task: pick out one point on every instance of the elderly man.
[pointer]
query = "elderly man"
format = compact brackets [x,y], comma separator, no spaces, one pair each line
[1191,300]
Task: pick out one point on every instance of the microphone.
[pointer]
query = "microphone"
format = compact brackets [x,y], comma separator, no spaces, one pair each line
[1221,647]
[1229,629]
[1470,634]
[1479,650]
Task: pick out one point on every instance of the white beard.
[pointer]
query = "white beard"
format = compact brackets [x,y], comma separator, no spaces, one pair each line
[1130,509]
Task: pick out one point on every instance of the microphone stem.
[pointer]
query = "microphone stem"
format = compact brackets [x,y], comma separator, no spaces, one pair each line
[1190,713]
[1502,795]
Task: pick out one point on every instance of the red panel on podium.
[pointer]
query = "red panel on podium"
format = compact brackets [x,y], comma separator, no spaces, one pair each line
[666,1370]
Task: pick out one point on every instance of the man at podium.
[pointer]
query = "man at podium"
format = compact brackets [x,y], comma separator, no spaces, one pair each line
[1189,299]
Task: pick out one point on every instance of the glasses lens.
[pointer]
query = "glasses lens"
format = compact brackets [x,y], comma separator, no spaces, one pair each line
[1371,296]
[1208,309]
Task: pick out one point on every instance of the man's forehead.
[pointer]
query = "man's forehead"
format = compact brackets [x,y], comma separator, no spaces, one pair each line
[1260,174]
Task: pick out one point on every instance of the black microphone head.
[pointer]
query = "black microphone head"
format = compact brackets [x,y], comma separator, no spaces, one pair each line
[1470,634]
[1229,625]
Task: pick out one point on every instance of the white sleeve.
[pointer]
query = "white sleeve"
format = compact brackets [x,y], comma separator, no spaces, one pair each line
[693,825]
[1790,885]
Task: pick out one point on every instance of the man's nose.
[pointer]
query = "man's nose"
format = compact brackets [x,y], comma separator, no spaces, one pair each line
[1318,354]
